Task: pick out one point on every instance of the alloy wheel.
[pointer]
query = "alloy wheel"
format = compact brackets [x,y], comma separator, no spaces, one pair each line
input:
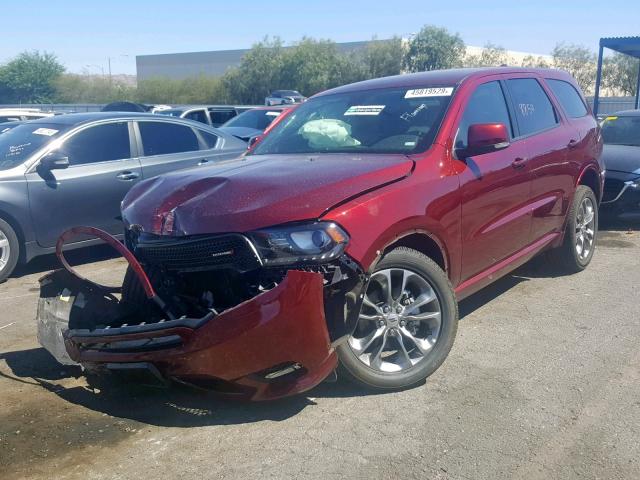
[399,321]
[5,250]
[585,228]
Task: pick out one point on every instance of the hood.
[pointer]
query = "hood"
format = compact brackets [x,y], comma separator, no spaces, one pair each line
[243,133]
[622,158]
[256,191]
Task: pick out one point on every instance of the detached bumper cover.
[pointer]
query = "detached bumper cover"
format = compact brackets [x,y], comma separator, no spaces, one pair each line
[274,345]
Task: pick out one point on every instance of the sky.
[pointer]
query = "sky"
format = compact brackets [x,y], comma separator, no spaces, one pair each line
[84,34]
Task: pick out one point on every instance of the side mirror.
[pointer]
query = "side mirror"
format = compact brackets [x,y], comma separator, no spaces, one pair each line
[54,161]
[485,138]
[253,141]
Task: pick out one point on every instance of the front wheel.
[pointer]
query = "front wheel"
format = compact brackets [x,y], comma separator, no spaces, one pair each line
[9,250]
[407,323]
[579,242]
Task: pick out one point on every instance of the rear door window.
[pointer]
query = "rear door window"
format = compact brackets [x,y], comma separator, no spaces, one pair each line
[198,116]
[218,117]
[162,138]
[102,143]
[486,105]
[568,97]
[533,109]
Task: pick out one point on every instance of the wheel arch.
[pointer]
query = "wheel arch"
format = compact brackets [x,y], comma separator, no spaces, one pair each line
[590,177]
[423,242]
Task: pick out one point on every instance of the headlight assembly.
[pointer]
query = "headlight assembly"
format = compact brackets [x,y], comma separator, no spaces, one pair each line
[316,242]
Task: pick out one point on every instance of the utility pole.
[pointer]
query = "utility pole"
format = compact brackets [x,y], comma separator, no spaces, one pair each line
[109,62]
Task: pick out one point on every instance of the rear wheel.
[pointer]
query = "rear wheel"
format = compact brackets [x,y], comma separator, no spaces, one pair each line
[579,242]
[406,326]
[9,250]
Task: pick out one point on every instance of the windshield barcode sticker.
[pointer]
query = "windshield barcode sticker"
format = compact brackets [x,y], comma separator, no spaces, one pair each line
[429,92]
[364,110]
[49,132]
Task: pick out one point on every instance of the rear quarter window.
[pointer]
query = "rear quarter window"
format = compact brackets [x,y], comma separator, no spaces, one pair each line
[568,97]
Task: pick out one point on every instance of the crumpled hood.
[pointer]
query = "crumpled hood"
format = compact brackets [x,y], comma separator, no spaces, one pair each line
[243,133]
[256,191]
[622,158]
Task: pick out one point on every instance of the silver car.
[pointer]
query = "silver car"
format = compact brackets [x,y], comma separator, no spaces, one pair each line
[284,97]
[69,170]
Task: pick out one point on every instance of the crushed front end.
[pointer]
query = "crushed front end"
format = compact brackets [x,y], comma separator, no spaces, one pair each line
[212,311]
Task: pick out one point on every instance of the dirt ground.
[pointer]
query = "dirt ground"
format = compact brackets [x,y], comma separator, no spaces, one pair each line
[542,382]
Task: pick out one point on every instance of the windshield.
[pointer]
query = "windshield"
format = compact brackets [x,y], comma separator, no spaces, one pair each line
[172,112]
[390,120]
[258,119]
[621,131]
[17,144]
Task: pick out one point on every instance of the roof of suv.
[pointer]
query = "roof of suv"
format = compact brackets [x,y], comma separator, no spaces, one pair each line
[441,78]
[626,113]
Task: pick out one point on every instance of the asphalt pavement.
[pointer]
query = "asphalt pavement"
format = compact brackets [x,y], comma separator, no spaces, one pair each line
[543,382]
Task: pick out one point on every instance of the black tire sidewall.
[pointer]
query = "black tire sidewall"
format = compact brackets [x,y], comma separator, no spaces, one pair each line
[427,268]
[14,246]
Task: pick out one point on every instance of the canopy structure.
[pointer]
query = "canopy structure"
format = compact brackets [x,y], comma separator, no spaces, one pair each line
[626,45]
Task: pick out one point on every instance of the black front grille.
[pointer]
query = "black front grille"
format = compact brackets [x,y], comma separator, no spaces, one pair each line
[612,189]
[191,254]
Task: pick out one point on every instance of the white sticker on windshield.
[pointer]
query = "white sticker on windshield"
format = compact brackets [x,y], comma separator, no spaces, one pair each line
[273,114]
[49,132]
[429,92]
[364,110]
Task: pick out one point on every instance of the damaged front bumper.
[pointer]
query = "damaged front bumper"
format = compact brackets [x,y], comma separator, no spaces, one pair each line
[275,344]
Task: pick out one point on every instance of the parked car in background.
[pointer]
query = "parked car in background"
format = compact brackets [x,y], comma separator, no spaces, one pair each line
[126,107]
[348,234]
[621,135]
[214,116]
[284,97]
[21,114]
[75,169]
[252,123]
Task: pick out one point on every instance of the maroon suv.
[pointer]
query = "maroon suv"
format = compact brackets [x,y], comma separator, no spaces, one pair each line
[345,237]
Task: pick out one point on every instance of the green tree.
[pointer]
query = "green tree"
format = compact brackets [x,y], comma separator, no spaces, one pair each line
[579,61]
[73,88]
[532,61]
[260,71]
[620,74]
[383,58]
[434,48]
[490,56]
[30,78]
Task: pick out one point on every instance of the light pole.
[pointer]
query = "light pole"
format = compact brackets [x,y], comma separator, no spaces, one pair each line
[109,63]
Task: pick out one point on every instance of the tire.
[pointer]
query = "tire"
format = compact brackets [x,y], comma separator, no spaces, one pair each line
[418,272]
[9,250]
[568,257]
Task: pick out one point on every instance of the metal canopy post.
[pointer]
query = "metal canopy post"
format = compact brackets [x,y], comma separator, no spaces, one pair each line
[596,98]
[638,88]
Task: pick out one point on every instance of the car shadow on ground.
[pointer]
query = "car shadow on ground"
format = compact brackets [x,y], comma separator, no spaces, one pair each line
[80,256]
[180,406]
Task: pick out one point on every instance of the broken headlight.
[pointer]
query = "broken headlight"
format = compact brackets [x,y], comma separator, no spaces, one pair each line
[316,242]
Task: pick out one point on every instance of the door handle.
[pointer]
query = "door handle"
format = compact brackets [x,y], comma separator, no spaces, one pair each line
[204,161]
[519,162]
[572,143]
[127,176]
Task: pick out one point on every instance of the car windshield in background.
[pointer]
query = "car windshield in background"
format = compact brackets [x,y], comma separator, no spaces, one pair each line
[288,93]
[621,131]
[258,119]
[391,120]
[20,142]
[172,112]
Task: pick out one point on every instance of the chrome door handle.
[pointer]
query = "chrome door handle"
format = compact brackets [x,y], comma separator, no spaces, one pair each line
[126,176]
[204,161]
[572,143]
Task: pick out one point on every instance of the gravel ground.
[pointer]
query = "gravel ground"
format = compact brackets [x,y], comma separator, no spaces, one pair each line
[542,382]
